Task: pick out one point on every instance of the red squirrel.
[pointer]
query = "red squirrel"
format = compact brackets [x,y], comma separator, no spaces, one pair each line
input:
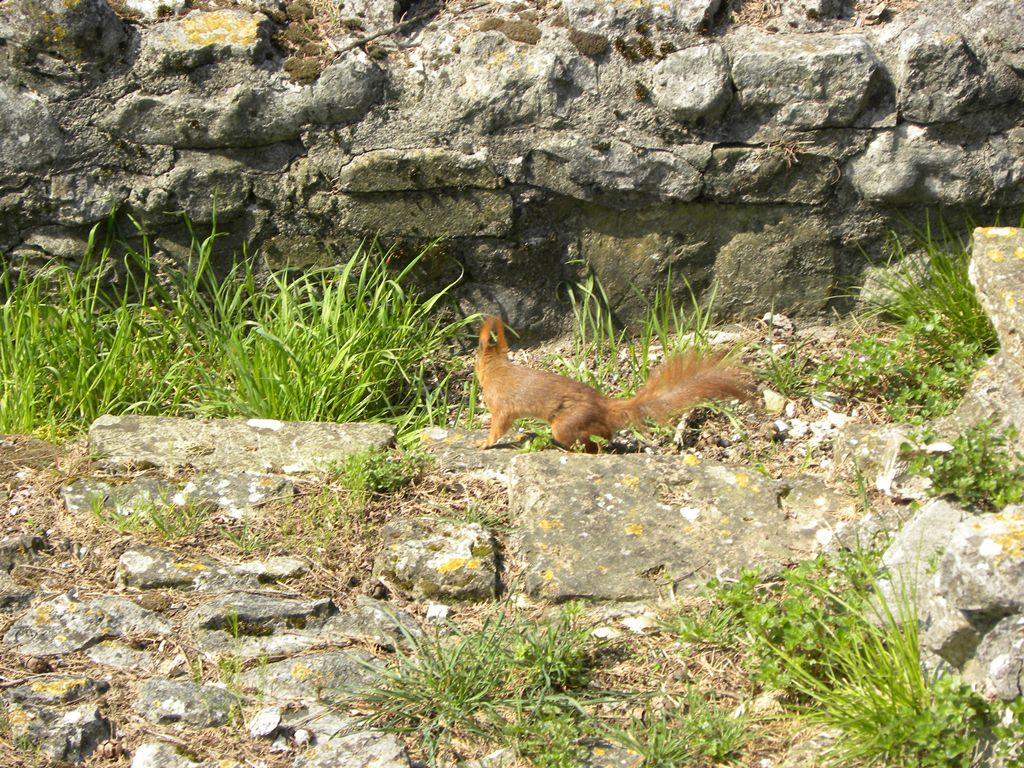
[578,413]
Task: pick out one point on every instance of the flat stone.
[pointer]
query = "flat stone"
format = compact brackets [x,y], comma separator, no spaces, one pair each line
[428,214]
[770,175]
[119,655]
[998,668]
[181,701]
[804,81]
[253,614]
[376,622]
[58,689]
[204,36]
[314,676]
[635,527]
[145,567]
[62,735]
[366,749]
[29,136]
[65,624]
[938,77]
[613,17]
[20,549]
[392,170]
[235,444]
[453,450]
[692,83]
[438,560]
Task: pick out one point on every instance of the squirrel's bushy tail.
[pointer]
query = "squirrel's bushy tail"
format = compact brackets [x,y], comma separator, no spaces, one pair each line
[680,383]
[493,323]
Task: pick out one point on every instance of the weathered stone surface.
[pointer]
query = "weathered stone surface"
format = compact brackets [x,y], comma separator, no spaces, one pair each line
[614,172]
[120,655]
[634,527]
[692,83]
[147,567]
[611,17]
[29,136]
[877,454]
[443,213]
[151,10]
[766,175]
[79,32]
[312,676]
[409,169]
[438,560]
[939,78]
[366,749]
[803,81]
[158,754]
[62,735]
[453,451]
[998,666]
[13,597]
[997,392]
[66,624]
[255,444]
[794,272]
[57,689]
[257,614]
[203,37]
[978,583]
[908,166]
[181,701]
[20,549]
[374,621]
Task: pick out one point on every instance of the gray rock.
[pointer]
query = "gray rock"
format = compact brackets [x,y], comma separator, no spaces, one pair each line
[609,17]
[366,749]
[907,166]
[255,444]
[20,549]
[119,655]
[453,450]
[254,614]
[157,754]
[324,675]
[65,624]
[804,82]
[444,213]
[13,597]
[614,172]
[996,394]
[939,78]
[147,567]
[692,83]
[377,14]
[62,735]
[51,690]
[633,527]
[751,175]
[978,583]
[150,10]
[878,455]
[82,32]
[181,701]
[794,272]
[374,621]
[29,136]
[998,666]
[392,170]
[438,560]
[202,37]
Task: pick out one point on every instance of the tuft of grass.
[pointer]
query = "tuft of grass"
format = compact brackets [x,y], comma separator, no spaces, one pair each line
[168,520]
[345,343]
[695,733]
[486,686]
[375,471]
[980,469]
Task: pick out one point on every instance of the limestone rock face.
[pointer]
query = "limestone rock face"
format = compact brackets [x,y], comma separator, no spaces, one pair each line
[633,139]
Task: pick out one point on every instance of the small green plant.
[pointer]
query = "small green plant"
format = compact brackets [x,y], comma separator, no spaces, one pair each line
[907,374]
[380,471]
[161,516]
[473,685]
[696,733]
[246,540]
[980,469]
[548,735]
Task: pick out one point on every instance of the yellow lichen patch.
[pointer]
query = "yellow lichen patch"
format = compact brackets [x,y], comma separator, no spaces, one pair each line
[634,529]
[189,566]
[221,27]
[1018,252]
[742,480]
[549,525]
[301,672]
[473,564]
[998,231]
[1010,299]
[547,575]
[691,460]
[58,687]
[995,255]
[455,564]
[630,481]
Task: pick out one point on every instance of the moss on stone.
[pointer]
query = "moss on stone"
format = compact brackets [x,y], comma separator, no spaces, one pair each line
[520,31]
[588,43]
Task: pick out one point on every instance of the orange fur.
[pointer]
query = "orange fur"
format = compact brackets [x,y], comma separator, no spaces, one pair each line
[578,413]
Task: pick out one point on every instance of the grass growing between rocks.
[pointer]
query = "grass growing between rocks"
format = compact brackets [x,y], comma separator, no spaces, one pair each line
[346,343]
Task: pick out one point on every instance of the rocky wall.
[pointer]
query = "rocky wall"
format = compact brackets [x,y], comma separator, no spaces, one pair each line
[766,151]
